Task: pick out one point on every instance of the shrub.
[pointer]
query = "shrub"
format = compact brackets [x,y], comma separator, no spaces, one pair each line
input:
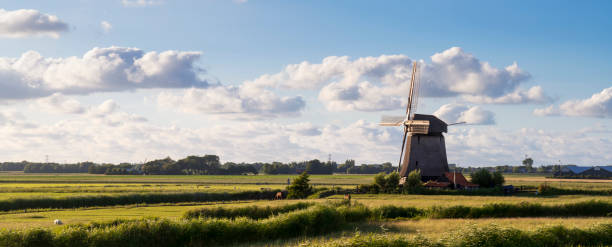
[299,187]
[384,183]
[413,183]
[392,212]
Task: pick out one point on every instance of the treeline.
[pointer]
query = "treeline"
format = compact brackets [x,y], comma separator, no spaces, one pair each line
[199,165]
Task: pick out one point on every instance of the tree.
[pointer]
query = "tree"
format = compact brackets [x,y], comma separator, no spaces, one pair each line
[413,182]
[485,179]
[528,163]
[316,167]
[299,188]
[348,164]
[498,179]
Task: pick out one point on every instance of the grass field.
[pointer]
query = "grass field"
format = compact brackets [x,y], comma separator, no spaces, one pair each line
[433,228]
[19,185]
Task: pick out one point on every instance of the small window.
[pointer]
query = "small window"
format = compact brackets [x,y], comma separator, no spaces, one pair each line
[417,164]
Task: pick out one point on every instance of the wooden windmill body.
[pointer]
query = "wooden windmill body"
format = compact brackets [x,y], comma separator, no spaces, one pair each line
[423,145]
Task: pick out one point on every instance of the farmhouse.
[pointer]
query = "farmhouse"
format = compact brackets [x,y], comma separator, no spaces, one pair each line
[451,180]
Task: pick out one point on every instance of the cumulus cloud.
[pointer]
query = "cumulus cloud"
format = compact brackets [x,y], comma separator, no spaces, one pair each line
[118,136]
[532,95]
[59,103]
[599,105]
[29,22]
[382,83]
[455,72]
[480,146]
[454,113]
[551,110]
[98,70]
[140,3]
[106,26]
[233,102]
[106,113]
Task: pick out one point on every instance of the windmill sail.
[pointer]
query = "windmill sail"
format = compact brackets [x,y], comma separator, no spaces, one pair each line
[410,110]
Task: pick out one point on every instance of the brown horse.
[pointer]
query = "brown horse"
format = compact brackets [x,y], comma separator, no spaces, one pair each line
[347,197]
[278,196]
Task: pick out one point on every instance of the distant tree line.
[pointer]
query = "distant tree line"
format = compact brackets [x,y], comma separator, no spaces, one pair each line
[211,165]
[199,165]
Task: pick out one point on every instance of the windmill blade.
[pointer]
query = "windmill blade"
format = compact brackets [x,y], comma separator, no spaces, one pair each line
[411,107]
[392,121]
[399,166]
[457,123]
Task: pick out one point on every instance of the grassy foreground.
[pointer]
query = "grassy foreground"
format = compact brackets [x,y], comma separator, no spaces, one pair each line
[317,220]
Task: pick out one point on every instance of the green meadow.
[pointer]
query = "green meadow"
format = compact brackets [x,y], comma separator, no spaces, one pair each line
[17,188]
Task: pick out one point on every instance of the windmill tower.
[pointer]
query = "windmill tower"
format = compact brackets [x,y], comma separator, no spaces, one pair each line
[423,145]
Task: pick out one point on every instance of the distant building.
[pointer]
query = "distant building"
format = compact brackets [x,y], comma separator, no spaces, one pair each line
[585,172]
[451,180]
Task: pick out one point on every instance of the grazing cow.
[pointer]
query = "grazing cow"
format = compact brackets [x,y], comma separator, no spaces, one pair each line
[279,196]
[57,222]
[347,197]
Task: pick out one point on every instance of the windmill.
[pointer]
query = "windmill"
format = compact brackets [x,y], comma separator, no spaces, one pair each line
[423,145]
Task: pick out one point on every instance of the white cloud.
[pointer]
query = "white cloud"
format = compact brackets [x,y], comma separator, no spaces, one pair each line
[551,110]
[599,105]
[98,70]
[112,135]
[454,113]
[59,103]
[533,95]
[233,102]
[140,3]
[454,72]
[382,83]
[481,146]
[106,26]
[29,22]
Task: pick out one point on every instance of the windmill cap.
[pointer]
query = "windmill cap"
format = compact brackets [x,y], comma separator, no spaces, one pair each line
[435,124]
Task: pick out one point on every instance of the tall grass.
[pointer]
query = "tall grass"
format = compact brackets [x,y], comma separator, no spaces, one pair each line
[151,232]
[499,210]
[252,212]
[600,235]
[313,221]
[127,199]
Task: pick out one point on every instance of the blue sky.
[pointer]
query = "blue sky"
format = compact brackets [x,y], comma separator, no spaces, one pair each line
[561,49]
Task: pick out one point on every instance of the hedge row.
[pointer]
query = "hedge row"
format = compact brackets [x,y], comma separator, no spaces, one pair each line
[499,210]
[127,199]
[253,212]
